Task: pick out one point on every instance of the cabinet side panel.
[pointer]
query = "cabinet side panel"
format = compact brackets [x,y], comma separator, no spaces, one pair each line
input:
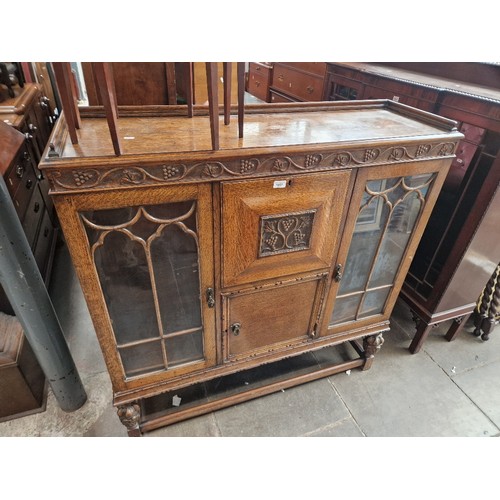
[478,263]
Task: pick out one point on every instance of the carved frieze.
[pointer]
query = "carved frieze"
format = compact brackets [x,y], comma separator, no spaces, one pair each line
[84,178]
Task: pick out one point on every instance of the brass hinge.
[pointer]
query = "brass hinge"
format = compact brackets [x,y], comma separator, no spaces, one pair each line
[210,297]
[337,275]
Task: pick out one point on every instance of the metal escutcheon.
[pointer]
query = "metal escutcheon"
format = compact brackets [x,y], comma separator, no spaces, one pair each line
[235,328]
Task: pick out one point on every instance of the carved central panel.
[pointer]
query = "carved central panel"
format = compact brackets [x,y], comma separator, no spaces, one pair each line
[285,233]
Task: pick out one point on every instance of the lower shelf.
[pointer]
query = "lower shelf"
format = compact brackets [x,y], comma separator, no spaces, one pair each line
[204,397]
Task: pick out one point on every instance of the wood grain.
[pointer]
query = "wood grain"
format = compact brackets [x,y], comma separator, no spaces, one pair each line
[245,202]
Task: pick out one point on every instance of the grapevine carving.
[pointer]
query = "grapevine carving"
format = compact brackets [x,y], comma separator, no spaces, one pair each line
[285,233]
[105,177]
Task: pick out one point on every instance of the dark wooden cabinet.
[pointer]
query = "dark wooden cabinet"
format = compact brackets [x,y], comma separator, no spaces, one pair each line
[349,81]
[22,382]
[29,113]
[198,264]
[459,249]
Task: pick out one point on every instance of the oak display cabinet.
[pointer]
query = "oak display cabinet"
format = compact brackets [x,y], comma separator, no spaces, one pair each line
[198,265]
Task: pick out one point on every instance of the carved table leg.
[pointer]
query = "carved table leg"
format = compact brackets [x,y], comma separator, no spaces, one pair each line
[130,416]
[421,334]
[371,345]
[455,327]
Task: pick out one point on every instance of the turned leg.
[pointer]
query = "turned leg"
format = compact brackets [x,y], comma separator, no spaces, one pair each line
[487,325]
[371,345]
[130,416]
[478,322]
[421,334]
[455,327]
[493,310]
[490,295]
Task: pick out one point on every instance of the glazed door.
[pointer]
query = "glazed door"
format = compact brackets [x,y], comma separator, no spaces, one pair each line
[147,271]
[389,209]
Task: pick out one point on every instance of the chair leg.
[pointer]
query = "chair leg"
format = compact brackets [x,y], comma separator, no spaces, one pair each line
[104,78]
[227,74]
[171,83]
[188,68]
[241,97]
[213,103]
[62,72]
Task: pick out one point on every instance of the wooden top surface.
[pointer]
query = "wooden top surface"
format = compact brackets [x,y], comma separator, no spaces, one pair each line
[18,104]
[308,126]
[10,143]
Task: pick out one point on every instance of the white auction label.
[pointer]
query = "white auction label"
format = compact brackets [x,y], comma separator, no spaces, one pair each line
[279,184]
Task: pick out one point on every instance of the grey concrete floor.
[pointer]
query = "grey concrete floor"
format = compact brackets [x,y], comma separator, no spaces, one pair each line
[448,389]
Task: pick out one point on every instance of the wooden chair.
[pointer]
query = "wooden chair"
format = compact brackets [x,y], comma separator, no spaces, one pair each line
[105,85]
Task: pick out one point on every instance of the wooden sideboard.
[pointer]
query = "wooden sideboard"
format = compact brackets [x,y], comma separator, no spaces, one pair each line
[198,264]
[287,81]
[297,81]
[459,249]
[22,382]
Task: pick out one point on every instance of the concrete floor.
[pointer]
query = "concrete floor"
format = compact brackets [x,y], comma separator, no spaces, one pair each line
[447,389]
